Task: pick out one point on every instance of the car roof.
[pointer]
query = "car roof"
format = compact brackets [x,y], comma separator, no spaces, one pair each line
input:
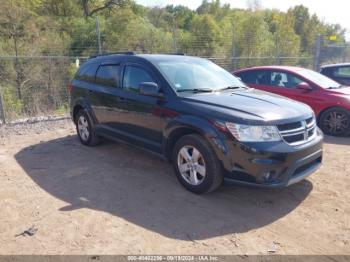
[335,65]
[147,57]
[272,67]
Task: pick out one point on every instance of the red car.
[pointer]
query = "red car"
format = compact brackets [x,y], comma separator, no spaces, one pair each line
[329,99]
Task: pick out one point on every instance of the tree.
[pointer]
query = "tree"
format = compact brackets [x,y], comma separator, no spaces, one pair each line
[90,7]
[14,23]
[205,35]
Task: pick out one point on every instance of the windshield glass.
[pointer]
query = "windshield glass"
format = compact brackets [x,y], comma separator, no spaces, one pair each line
[319,79]
[197,74]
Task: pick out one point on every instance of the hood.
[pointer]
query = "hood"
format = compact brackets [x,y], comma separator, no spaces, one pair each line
[251,104]
[341,91]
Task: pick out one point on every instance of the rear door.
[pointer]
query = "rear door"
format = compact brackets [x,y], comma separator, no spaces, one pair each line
[108,103]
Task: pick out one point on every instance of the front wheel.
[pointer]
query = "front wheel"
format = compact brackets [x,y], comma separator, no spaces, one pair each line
[335,121]
[196,165]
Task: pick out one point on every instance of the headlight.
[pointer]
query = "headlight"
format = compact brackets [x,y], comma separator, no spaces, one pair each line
[248,133]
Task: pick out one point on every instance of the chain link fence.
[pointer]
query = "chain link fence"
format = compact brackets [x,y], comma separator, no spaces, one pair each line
[34,86]
[37,85]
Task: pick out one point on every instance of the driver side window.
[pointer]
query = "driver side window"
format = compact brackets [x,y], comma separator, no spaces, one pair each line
[134,76]
[284,80]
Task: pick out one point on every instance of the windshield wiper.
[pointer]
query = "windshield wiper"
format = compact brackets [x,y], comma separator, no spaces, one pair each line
[231,87]
[196,90]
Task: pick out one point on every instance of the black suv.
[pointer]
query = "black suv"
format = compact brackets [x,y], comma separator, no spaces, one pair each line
[338,72]
[198,116]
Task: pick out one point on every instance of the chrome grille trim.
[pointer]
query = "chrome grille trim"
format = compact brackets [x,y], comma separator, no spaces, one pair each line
[307,131]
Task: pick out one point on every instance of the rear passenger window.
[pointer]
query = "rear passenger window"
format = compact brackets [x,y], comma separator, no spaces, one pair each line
[87,73]
[134,76]
[108,75]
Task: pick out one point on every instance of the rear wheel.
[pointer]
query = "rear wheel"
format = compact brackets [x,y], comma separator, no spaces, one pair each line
[85,131]
[335,121]
[196,165]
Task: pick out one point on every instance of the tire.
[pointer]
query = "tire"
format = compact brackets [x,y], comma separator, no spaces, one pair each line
[335,121]
[85,130]
[192,175]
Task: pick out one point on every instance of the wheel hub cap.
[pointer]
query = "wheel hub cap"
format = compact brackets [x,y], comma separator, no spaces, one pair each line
[83,128]
[336,122]
[191,165]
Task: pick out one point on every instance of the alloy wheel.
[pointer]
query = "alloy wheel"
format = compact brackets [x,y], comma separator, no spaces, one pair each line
[191,165]
[336,122]
[83,128]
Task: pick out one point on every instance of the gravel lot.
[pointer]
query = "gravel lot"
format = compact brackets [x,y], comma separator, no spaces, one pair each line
[114,199]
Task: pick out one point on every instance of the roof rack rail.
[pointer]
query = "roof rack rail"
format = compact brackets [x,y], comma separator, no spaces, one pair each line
[114,53]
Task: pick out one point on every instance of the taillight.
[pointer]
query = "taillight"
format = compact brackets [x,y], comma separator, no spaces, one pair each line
[70,88]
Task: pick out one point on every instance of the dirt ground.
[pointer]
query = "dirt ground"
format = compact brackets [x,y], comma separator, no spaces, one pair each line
[115,199]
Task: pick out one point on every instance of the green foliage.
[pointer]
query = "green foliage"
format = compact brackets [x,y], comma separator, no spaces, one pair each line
[230,37]
[13,106]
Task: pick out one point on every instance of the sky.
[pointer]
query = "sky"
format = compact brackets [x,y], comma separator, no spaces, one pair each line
[335,11]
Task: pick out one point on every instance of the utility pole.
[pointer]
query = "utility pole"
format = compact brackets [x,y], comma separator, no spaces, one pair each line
[98,33]
[317,55]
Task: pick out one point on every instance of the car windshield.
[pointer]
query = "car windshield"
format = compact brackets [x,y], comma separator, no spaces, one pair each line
[319,79]
[197,75]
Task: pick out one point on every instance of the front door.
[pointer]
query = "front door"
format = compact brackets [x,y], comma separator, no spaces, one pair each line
[142,121]
[285,84]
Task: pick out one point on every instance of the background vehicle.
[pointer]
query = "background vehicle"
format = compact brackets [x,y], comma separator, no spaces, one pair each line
[338,72]
[197,115]
[329,100]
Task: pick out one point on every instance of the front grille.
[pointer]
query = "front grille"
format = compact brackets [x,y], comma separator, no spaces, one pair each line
[297,133]
[289,126]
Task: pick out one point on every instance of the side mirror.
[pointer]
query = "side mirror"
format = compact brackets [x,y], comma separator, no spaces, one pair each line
[304,86]
[150,89]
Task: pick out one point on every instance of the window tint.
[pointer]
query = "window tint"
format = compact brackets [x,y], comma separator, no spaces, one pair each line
[108,75]
[342,72]
[134,76]
[249,77]
[263,78]
[87,73]
[282,79]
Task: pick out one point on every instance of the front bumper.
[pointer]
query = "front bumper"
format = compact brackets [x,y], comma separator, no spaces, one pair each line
[270,165]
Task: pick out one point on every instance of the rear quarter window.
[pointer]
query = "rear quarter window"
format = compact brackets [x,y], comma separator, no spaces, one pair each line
[108,75]
[87,73]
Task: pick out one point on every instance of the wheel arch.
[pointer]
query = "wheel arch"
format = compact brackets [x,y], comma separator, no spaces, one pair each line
[191,125]
[82,104]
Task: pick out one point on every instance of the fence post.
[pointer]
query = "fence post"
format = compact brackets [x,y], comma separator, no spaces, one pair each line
[174,35]
[98,35]
[317,55]
[2,111]
[233,48]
